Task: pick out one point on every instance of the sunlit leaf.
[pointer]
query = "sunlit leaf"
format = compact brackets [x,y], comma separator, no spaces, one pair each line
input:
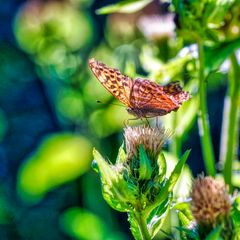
[117,192]
[134,226]
[177,171]
[162,164]
[214,57]
[235,213]
[127,6]
[216,11]
[184,212]
[59,159]
[158,215]
[121,157]
[183,185]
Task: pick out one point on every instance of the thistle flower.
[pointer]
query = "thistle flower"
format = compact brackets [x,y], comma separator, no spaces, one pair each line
[210,201]
[137,182]
[152,140]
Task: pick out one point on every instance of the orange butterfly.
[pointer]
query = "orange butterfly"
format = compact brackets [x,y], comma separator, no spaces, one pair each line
[142,97]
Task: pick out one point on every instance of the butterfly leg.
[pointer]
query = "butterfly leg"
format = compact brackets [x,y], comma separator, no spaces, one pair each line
[127,121]
[148,124]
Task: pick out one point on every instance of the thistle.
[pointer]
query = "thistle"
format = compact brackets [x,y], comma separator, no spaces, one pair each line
[211,203]
[137,182]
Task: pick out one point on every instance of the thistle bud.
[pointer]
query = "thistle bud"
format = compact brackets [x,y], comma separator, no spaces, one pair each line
[210,201]
[152,139]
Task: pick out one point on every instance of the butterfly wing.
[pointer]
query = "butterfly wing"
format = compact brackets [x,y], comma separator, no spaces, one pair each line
[152,99]
[175,90]
[118,84]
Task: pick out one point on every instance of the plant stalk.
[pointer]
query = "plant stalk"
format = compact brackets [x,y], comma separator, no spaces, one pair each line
[176,146]
[230,122]
[203,121]
[142,226]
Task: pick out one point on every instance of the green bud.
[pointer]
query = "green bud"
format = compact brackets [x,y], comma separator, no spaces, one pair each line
[119,193]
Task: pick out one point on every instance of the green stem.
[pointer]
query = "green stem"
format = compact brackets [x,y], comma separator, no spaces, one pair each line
[176,146]
[230,122]
[203,122]
[142,226]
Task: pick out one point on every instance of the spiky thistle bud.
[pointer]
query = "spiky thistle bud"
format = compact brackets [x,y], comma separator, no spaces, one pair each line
[210,201]
[151,138]
[137,182]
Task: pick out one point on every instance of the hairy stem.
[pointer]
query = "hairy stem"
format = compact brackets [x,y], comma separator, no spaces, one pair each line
[142,226]
[230,122]
[203,122]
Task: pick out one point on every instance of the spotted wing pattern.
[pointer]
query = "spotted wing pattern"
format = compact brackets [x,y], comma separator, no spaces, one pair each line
[142,97]
[152,99]
[119,85]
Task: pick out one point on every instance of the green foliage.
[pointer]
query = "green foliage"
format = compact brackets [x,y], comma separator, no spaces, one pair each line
[215,56]
[118,193]
[127,6]
[145,169]
[124,192]
[215,234]
[84,225]
[58,37]
[42,171]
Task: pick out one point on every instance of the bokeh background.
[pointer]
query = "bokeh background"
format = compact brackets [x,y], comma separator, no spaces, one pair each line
[50,119]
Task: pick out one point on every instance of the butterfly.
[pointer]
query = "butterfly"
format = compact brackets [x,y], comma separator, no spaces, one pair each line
[143,98]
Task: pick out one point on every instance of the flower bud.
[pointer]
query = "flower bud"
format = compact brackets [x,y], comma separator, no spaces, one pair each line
[210,201]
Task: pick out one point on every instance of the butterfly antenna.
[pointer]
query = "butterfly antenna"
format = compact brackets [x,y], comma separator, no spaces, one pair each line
[115,104]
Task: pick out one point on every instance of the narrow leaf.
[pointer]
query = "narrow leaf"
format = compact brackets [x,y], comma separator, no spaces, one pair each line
[169,185]
[214,57]
[177,171]
[145,170]
[215,234]
[121,157]
[127,6]
[158,216]
[162,166]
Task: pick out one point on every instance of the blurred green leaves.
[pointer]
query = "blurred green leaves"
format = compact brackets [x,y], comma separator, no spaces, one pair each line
[53,33]
[40,26]
[215,56]
[84,225]
[3,124]
[127,6]
[59,159]
[208,20]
